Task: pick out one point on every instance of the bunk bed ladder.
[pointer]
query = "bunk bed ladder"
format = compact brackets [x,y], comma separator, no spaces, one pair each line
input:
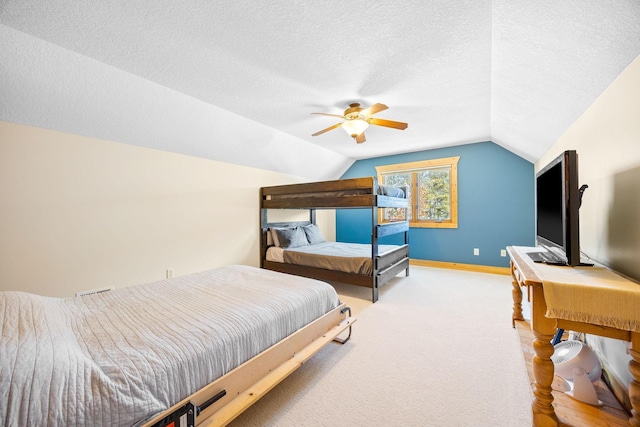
[374,252]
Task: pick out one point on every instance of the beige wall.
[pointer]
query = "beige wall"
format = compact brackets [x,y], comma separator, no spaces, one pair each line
[607,139]
[80,213]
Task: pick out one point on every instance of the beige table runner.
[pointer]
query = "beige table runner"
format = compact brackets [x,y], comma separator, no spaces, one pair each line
[592,295]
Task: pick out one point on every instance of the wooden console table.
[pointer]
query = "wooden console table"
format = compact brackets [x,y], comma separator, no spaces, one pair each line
[530,275]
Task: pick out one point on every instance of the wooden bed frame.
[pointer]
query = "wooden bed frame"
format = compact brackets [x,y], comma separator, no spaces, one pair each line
[355,193]
[220,402]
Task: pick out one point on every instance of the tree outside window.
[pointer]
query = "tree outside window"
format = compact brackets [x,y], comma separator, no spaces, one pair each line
[432,190]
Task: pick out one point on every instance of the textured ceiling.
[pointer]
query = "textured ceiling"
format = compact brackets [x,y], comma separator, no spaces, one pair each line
[518,73]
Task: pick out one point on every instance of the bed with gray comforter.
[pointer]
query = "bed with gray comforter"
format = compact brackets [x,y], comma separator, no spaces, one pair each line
[119,357]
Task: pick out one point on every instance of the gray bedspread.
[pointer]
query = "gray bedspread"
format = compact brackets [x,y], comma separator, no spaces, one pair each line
[347,257]
[119,357]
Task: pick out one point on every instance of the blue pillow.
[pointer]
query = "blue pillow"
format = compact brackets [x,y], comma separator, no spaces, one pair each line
[387,190]
[291,237]
[314,235]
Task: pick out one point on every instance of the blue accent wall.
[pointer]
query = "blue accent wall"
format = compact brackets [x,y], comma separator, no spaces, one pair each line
[495,206]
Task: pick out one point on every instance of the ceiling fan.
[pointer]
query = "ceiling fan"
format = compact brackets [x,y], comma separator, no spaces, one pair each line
[357,119]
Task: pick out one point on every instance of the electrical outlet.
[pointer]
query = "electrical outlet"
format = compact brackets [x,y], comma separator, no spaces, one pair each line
[169,273]
[476,251]
[503,252]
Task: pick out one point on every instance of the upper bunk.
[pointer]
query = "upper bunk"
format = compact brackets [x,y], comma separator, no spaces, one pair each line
[338,194]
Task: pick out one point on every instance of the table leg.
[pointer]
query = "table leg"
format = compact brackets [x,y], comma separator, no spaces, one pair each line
[543,329]
[634,385]
[517,298]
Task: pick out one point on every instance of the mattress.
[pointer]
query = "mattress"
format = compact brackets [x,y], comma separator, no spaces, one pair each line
[120,357]
[354,258]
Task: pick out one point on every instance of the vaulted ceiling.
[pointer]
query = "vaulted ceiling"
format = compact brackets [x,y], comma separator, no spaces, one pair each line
[518,73]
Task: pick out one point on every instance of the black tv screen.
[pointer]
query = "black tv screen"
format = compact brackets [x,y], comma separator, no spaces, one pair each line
[557,204]
[551,217]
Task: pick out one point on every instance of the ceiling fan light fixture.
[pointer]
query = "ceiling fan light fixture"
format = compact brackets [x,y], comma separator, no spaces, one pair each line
[355,127]
[357,120]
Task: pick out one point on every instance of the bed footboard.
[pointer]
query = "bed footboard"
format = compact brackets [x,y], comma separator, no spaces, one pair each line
[392,257]
[392,263]
[387,266]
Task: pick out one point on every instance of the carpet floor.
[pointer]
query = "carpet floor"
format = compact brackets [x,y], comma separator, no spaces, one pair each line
[437,349]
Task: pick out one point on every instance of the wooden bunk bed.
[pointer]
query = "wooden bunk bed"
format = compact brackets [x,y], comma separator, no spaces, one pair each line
[355,193]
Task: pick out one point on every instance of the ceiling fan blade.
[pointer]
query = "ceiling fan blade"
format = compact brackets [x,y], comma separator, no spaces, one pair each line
[388,123]
[327,129]
[330,115]
[375,108]
[360,138]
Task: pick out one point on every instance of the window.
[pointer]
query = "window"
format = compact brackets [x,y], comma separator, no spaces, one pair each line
[432,190]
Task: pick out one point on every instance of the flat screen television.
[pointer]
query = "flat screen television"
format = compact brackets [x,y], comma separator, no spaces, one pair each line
[558,200]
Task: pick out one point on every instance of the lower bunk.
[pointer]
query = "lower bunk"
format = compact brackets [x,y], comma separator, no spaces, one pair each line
[311,256]
[192,350]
